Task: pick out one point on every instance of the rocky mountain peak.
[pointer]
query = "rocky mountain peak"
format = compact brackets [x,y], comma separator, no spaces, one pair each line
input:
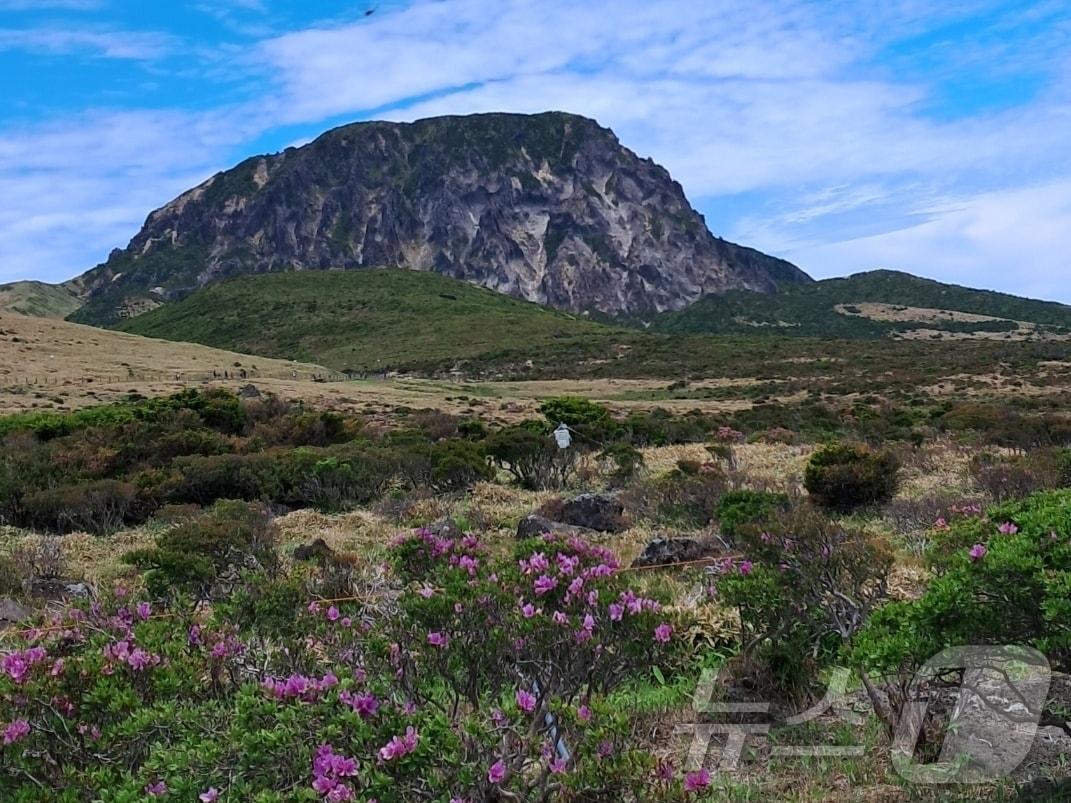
[547,207]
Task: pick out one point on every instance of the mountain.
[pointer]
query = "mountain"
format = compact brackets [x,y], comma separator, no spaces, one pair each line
[550,208]
[38,299]
[364,321]
[874,304]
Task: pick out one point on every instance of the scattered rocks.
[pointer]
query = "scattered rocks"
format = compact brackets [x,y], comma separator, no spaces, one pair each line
[445,528]
[601,512]
[534,525]
[317,550]
[55,589]
[667,551]
[77,590]
[12,611]
[249,392]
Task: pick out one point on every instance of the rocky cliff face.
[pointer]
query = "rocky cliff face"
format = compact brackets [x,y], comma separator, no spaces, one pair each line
[549,207]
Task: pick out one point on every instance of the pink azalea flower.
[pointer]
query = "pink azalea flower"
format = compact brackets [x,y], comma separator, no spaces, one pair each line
[144,610]
[544,585]
[365,704]
[1008,528]
[567,564]
[663,633]
[400,746]
[158,789]
[441,640]
[526,701]
[333,614]
[210,795]
[528,610]
[746,567]
[695,781]
[617,611]
[977,552]
[583,713]
[497,773]
[16,731]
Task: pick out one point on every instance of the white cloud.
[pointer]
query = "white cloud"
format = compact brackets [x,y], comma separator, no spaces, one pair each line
[1014,240]
[134,45]
[74,190]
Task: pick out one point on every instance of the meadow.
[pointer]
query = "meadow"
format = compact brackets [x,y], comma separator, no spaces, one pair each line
[232,598]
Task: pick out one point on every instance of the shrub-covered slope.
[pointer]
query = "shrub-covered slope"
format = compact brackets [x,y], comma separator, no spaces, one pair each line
[374,320]
[866,305]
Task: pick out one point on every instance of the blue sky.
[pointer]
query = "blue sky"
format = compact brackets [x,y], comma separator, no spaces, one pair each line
[843,134]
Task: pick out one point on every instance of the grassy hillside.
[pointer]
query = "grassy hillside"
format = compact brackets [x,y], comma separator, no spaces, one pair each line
[363,321]
[869,305]
[38,299]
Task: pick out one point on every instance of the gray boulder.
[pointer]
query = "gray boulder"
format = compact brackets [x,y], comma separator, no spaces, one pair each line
[316,550]
[534,525]
[445,528]
[667,551]
[601,512]
[12,611]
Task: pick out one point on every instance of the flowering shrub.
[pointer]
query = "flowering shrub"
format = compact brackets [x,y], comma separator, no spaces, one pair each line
[471,677]
[1003,578]
[805,585]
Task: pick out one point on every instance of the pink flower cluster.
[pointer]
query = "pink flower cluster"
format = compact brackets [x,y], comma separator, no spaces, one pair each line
[526,701]
[727,434]
[328,771]
[126,652]
[694,781]
[15,731]
[400,746]
[365,704]
[299,687]
[16,665]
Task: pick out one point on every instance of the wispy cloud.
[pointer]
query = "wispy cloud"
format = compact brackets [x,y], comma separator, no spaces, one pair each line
[76,189]
[1014,240]
[49,5]
[134,45]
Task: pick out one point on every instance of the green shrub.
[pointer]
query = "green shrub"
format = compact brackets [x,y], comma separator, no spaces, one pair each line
[590,420]
[98,507]
[203,480]
[192,556]
[621,461]
[1015,477]
[660,427]
[679,499]
[737,508]
[992,587]
[528,453]
[846,476]
[457,465]
[804,588]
